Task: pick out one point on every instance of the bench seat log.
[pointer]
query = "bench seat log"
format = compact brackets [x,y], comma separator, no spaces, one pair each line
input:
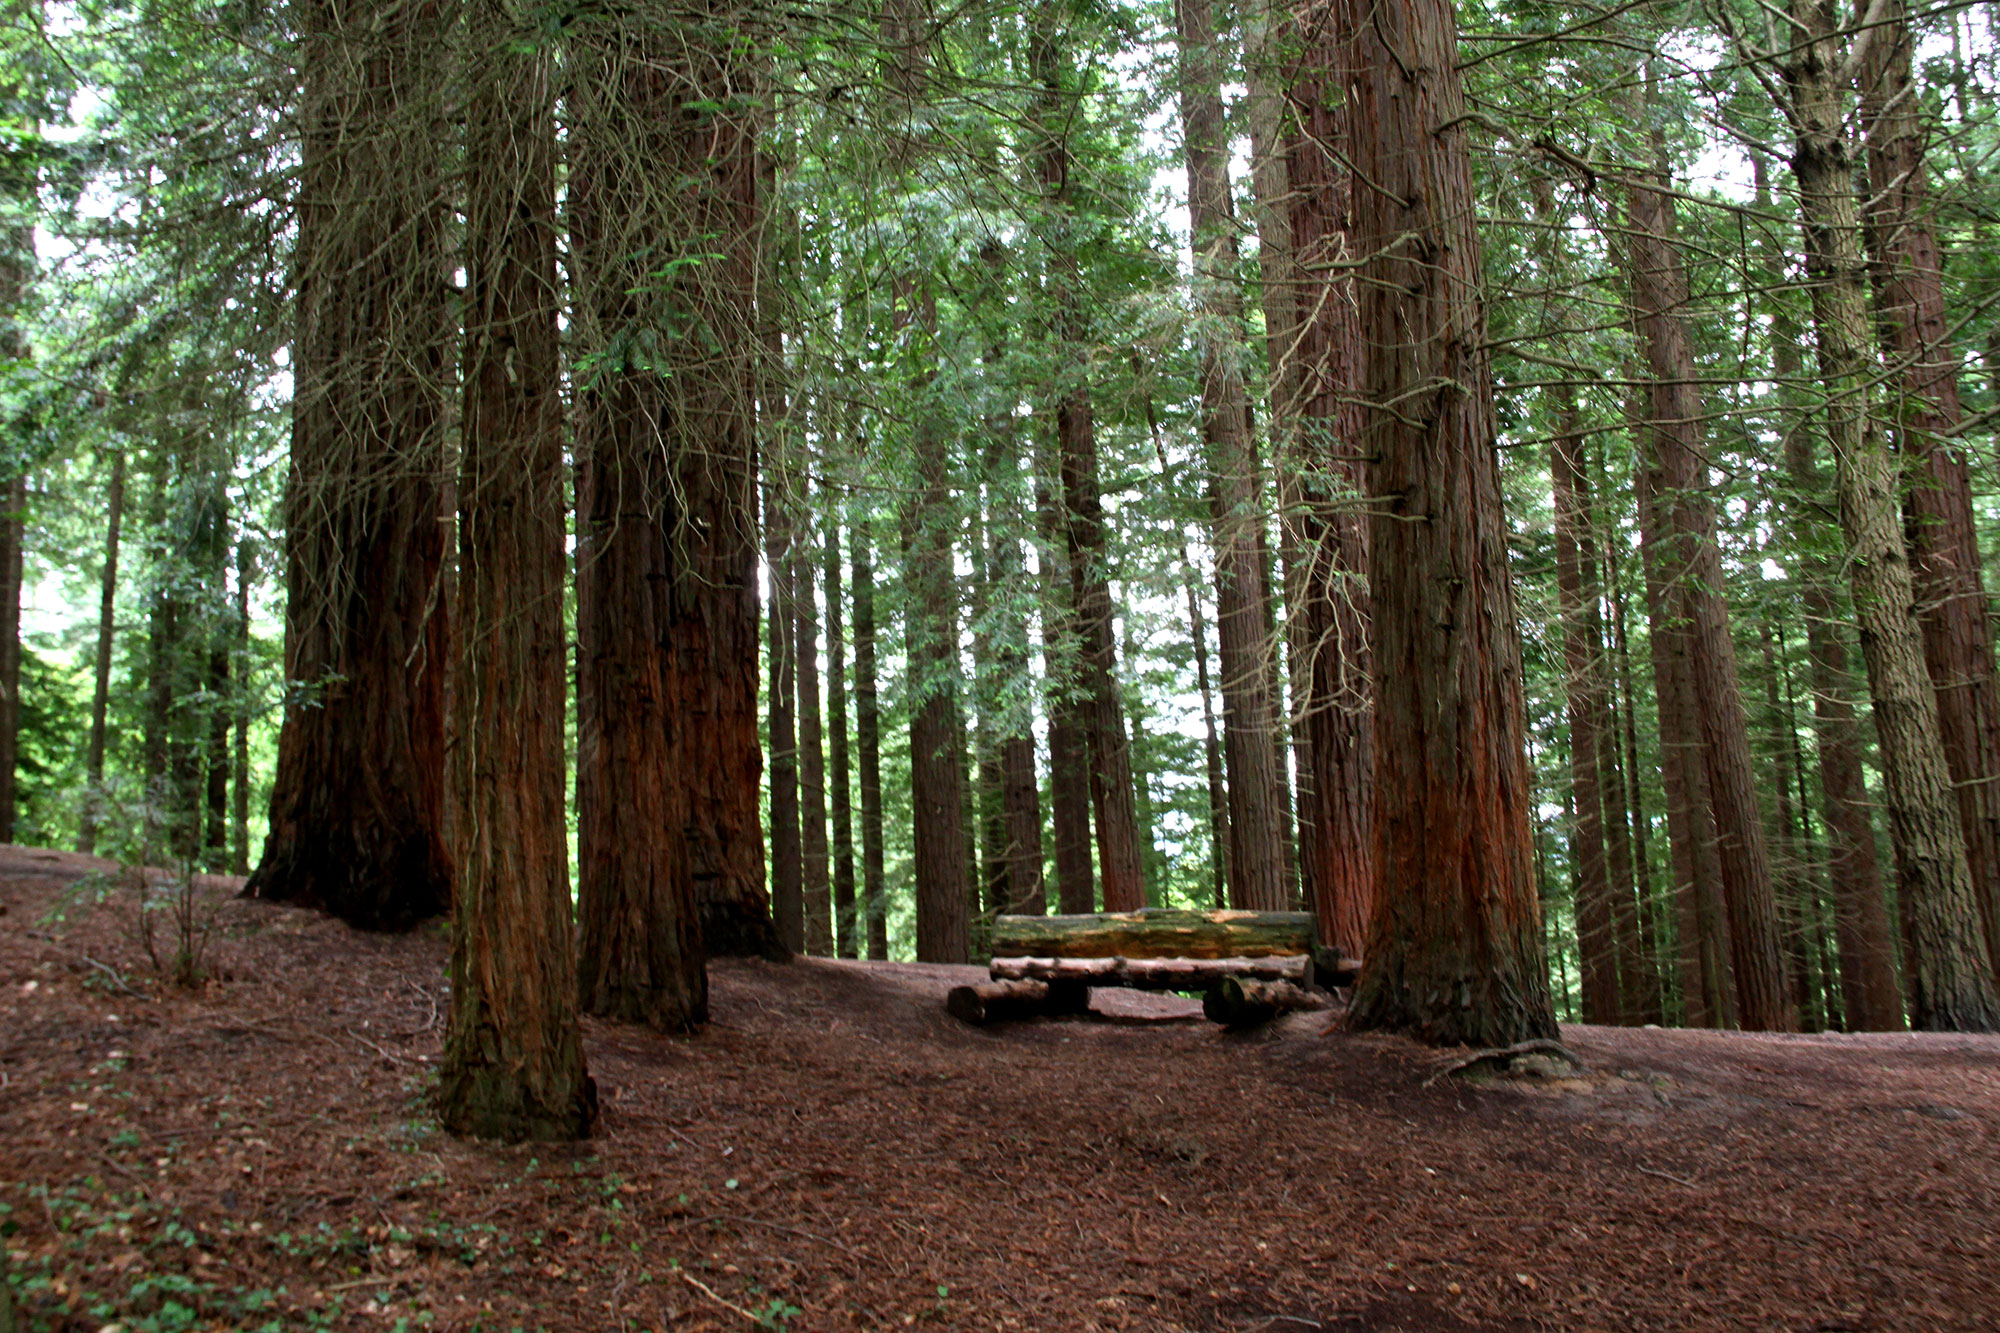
[1176,974]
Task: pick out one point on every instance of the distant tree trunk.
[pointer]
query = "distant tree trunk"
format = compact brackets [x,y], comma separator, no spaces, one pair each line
[1112,795]
[1256,816]
[1949,970]
[1069,758]
[1792,877]
[1598,939]
[1706,994]
[222,639]
[1634,794]
[356,802]
[868,744]
[513,1054]
[1319,425]
[1455,950]
[1694,567]
[1211,747]
[817,882]
[239,844]
[842,789]
[1870,998]
[787,851]
[19,183]
[1938,510]
[13,527]
[1017,833]
[107,628]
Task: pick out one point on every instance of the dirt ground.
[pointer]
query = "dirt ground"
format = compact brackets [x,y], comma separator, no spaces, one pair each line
[834,1152]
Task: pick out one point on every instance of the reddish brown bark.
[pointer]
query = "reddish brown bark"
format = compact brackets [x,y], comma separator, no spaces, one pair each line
[1693,566]
[107,627]
[513,1054]
[1583,653]
[1707,996]
[816,886]
[868,746]
[840,788]
[1258,879]
[1947,966]
[13,530]
[356,802]
[787,854]
[1112,795]
[1870,996]
[1315,368]
[658,436]
[1069,758]
[1924,416]
[1454,951]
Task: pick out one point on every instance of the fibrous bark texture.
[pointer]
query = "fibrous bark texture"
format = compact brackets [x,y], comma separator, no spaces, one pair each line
[1454,949]
[641,426]
[1692,568]
[1948,971]
[1250,725]
[1924,414]
[513,1055]
[355,814]
[1310,309]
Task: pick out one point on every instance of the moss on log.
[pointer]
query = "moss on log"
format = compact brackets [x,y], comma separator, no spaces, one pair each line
[1156,932]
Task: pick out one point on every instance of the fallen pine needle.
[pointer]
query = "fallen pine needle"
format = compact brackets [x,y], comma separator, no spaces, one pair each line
[709,1292]
[1647,1170]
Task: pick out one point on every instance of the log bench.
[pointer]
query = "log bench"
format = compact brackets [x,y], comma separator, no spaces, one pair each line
[1248,966]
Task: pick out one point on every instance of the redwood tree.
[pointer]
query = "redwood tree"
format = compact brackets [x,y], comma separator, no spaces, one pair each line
[513,1052]
[355,814]
[1455,949]
[1948,970]
[1908,272]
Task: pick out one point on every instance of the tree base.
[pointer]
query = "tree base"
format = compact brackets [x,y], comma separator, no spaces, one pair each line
[730,930]
[389,888]
[490,1103]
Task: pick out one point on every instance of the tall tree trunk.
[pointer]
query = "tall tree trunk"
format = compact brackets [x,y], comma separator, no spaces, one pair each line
[1315,356]
[13,529]
[1598,938]
[1211,747]
[787,851]
[1455,950]
[1938,513]
[19,183]
[712,617]
[648,426]
[817,882]
[1633,798]
[868,746]
[356,802]
[1250,732]
[842,776]
[1950,973]
[107,628]
[1707,996]
[1871,999]
[1112,795]
[239,813]
[1693,566]
[1069,758]
[513,1053]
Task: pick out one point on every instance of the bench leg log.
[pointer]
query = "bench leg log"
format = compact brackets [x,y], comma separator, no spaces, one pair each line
[999,1001]
[1240,1002]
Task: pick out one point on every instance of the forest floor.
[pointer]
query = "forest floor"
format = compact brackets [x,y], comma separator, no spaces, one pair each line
[834,1152]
